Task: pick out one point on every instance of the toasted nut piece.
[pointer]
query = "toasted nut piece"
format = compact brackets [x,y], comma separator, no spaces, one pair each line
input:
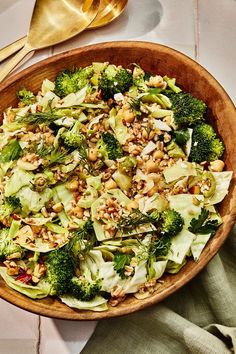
[158,154]
[151,166]
[217,165]
[58,207]
[36,228]
[195,190]
[110,184]
[151,135]
[152,191]
[155,177]
[93,155]
[132,205]
[196,201]
[167,120]
[35,279]
[144,134]
[73,186]
[79,212]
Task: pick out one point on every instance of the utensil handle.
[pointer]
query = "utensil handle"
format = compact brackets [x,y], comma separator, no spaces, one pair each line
[12,63]
[12,48]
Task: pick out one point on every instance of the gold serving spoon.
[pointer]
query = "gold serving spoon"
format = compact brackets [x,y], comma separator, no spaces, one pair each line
[108,11]
[53,23]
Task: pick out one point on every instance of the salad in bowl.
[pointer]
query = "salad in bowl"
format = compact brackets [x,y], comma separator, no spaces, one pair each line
[110,177]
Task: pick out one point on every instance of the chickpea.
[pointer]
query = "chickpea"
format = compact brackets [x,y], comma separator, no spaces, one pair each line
[158,154]
[110,184]
[152,191]
[132,205]
[151,166]
[93,155]
[58,207]
[73,186]
[78,212]
[217,165]
[128,116]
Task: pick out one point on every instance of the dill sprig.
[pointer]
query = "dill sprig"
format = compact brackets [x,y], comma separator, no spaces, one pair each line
[43,150]
[83,240]
[38,118]
[83,152]
[56,157]
[133,220]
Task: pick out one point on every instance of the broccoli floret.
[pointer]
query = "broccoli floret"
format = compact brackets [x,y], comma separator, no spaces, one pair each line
[25,96]
[72,81]
[109,147]
[174,150]
[7,245]
[10,152]
[181,137]
[171,223]
[128,165]
[187,109]
[205,144]
[120,82]
[60,270]
[83,290]
[12,204]
[73,137]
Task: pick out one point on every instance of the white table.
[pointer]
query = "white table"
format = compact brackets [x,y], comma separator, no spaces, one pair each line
[204,30]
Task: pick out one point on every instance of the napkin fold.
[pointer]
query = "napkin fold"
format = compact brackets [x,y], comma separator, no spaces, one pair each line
[200,318]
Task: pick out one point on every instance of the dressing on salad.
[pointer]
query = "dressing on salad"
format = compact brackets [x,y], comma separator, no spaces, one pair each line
[109,179]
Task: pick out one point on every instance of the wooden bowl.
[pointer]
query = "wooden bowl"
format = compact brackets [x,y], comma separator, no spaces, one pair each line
[191,77]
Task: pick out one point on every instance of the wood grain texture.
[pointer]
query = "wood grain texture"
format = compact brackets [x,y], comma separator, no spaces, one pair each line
[191,77]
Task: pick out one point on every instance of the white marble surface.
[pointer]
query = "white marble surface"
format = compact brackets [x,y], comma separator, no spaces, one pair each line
[204,30]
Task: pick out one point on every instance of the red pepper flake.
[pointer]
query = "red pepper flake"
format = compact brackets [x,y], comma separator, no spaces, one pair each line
[24,278]
[15,217]
[124,122]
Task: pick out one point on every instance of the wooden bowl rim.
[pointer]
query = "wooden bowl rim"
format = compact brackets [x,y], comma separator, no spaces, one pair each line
[209,252]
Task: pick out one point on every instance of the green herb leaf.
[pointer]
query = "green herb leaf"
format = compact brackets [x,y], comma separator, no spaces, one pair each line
[12,151]
[201,226]
[120,261]
[161,246]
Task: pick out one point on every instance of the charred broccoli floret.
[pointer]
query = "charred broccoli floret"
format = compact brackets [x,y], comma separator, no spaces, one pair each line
[187,109]
[181,137]
[7,245]
[205,144]
[114,81]
[170,223]
[73,137]
[60,270]
[83,290]
[174,150]
[72,81]
[109,147]
[25,96]
[11,205]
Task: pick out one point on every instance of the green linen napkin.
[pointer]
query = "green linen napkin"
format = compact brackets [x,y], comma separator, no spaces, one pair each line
[200,318]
